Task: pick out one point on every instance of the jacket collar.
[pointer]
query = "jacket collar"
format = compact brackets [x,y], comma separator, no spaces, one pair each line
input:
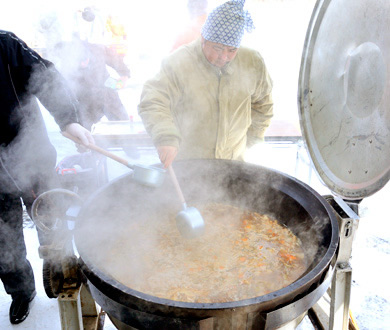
[199,52]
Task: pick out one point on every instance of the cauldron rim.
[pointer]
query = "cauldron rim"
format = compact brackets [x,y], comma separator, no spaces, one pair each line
[96,275]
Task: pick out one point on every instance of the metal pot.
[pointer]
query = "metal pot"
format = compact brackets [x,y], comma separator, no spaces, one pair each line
[258,188]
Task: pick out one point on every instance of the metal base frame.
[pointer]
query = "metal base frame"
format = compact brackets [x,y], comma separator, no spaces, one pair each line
[78,310]
[332,310]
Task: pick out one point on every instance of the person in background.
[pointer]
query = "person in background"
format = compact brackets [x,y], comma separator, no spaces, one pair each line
[27,158]
[118,35]
[83,64]
[211,98]
[197,10]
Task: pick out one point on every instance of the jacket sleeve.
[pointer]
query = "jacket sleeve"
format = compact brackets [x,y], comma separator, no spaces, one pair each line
[262,105]
[158,96]
[34,75]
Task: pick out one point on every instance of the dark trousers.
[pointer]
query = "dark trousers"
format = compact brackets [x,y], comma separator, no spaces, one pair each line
[15,270]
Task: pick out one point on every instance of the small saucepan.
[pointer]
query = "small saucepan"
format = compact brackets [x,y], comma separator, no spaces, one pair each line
[146,175]
[189,221]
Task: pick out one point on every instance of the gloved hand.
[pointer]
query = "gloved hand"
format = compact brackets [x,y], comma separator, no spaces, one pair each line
[80,132]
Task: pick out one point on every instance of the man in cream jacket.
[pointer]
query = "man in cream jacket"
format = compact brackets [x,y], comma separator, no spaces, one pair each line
[211,98]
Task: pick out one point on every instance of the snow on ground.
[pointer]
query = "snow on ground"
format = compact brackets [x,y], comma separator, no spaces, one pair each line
[370,263]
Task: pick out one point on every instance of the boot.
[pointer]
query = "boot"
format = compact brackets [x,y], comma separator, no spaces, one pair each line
[20,308]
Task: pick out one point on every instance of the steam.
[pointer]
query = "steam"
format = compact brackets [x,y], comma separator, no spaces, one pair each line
[45,24]
[315,234]
[112,225]
[20,169]
[145,40]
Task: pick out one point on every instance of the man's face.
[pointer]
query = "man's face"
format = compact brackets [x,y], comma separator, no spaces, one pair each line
[218,54]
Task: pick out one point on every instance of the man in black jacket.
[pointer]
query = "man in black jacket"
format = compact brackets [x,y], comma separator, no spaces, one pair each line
[27,158]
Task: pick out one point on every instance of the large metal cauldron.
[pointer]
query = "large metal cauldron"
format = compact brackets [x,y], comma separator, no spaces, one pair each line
[260,189]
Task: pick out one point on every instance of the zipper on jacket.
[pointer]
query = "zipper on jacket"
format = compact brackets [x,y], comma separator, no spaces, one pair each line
[13,86]
[219,111]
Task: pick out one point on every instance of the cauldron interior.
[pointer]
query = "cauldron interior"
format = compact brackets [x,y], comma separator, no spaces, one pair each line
[248,186]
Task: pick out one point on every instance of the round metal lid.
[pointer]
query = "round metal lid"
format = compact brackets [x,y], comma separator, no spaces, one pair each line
[344,95]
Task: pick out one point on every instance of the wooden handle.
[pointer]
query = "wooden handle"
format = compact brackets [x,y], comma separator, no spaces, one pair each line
[98,149]
[176,184]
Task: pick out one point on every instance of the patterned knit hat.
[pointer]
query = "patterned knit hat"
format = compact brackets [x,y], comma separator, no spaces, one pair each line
[226,23]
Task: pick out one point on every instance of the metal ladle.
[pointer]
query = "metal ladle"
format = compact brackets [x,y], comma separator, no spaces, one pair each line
[189,221]
[146,175]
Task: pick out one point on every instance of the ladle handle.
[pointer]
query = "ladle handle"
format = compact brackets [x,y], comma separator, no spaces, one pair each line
[177,186]
[98,149]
